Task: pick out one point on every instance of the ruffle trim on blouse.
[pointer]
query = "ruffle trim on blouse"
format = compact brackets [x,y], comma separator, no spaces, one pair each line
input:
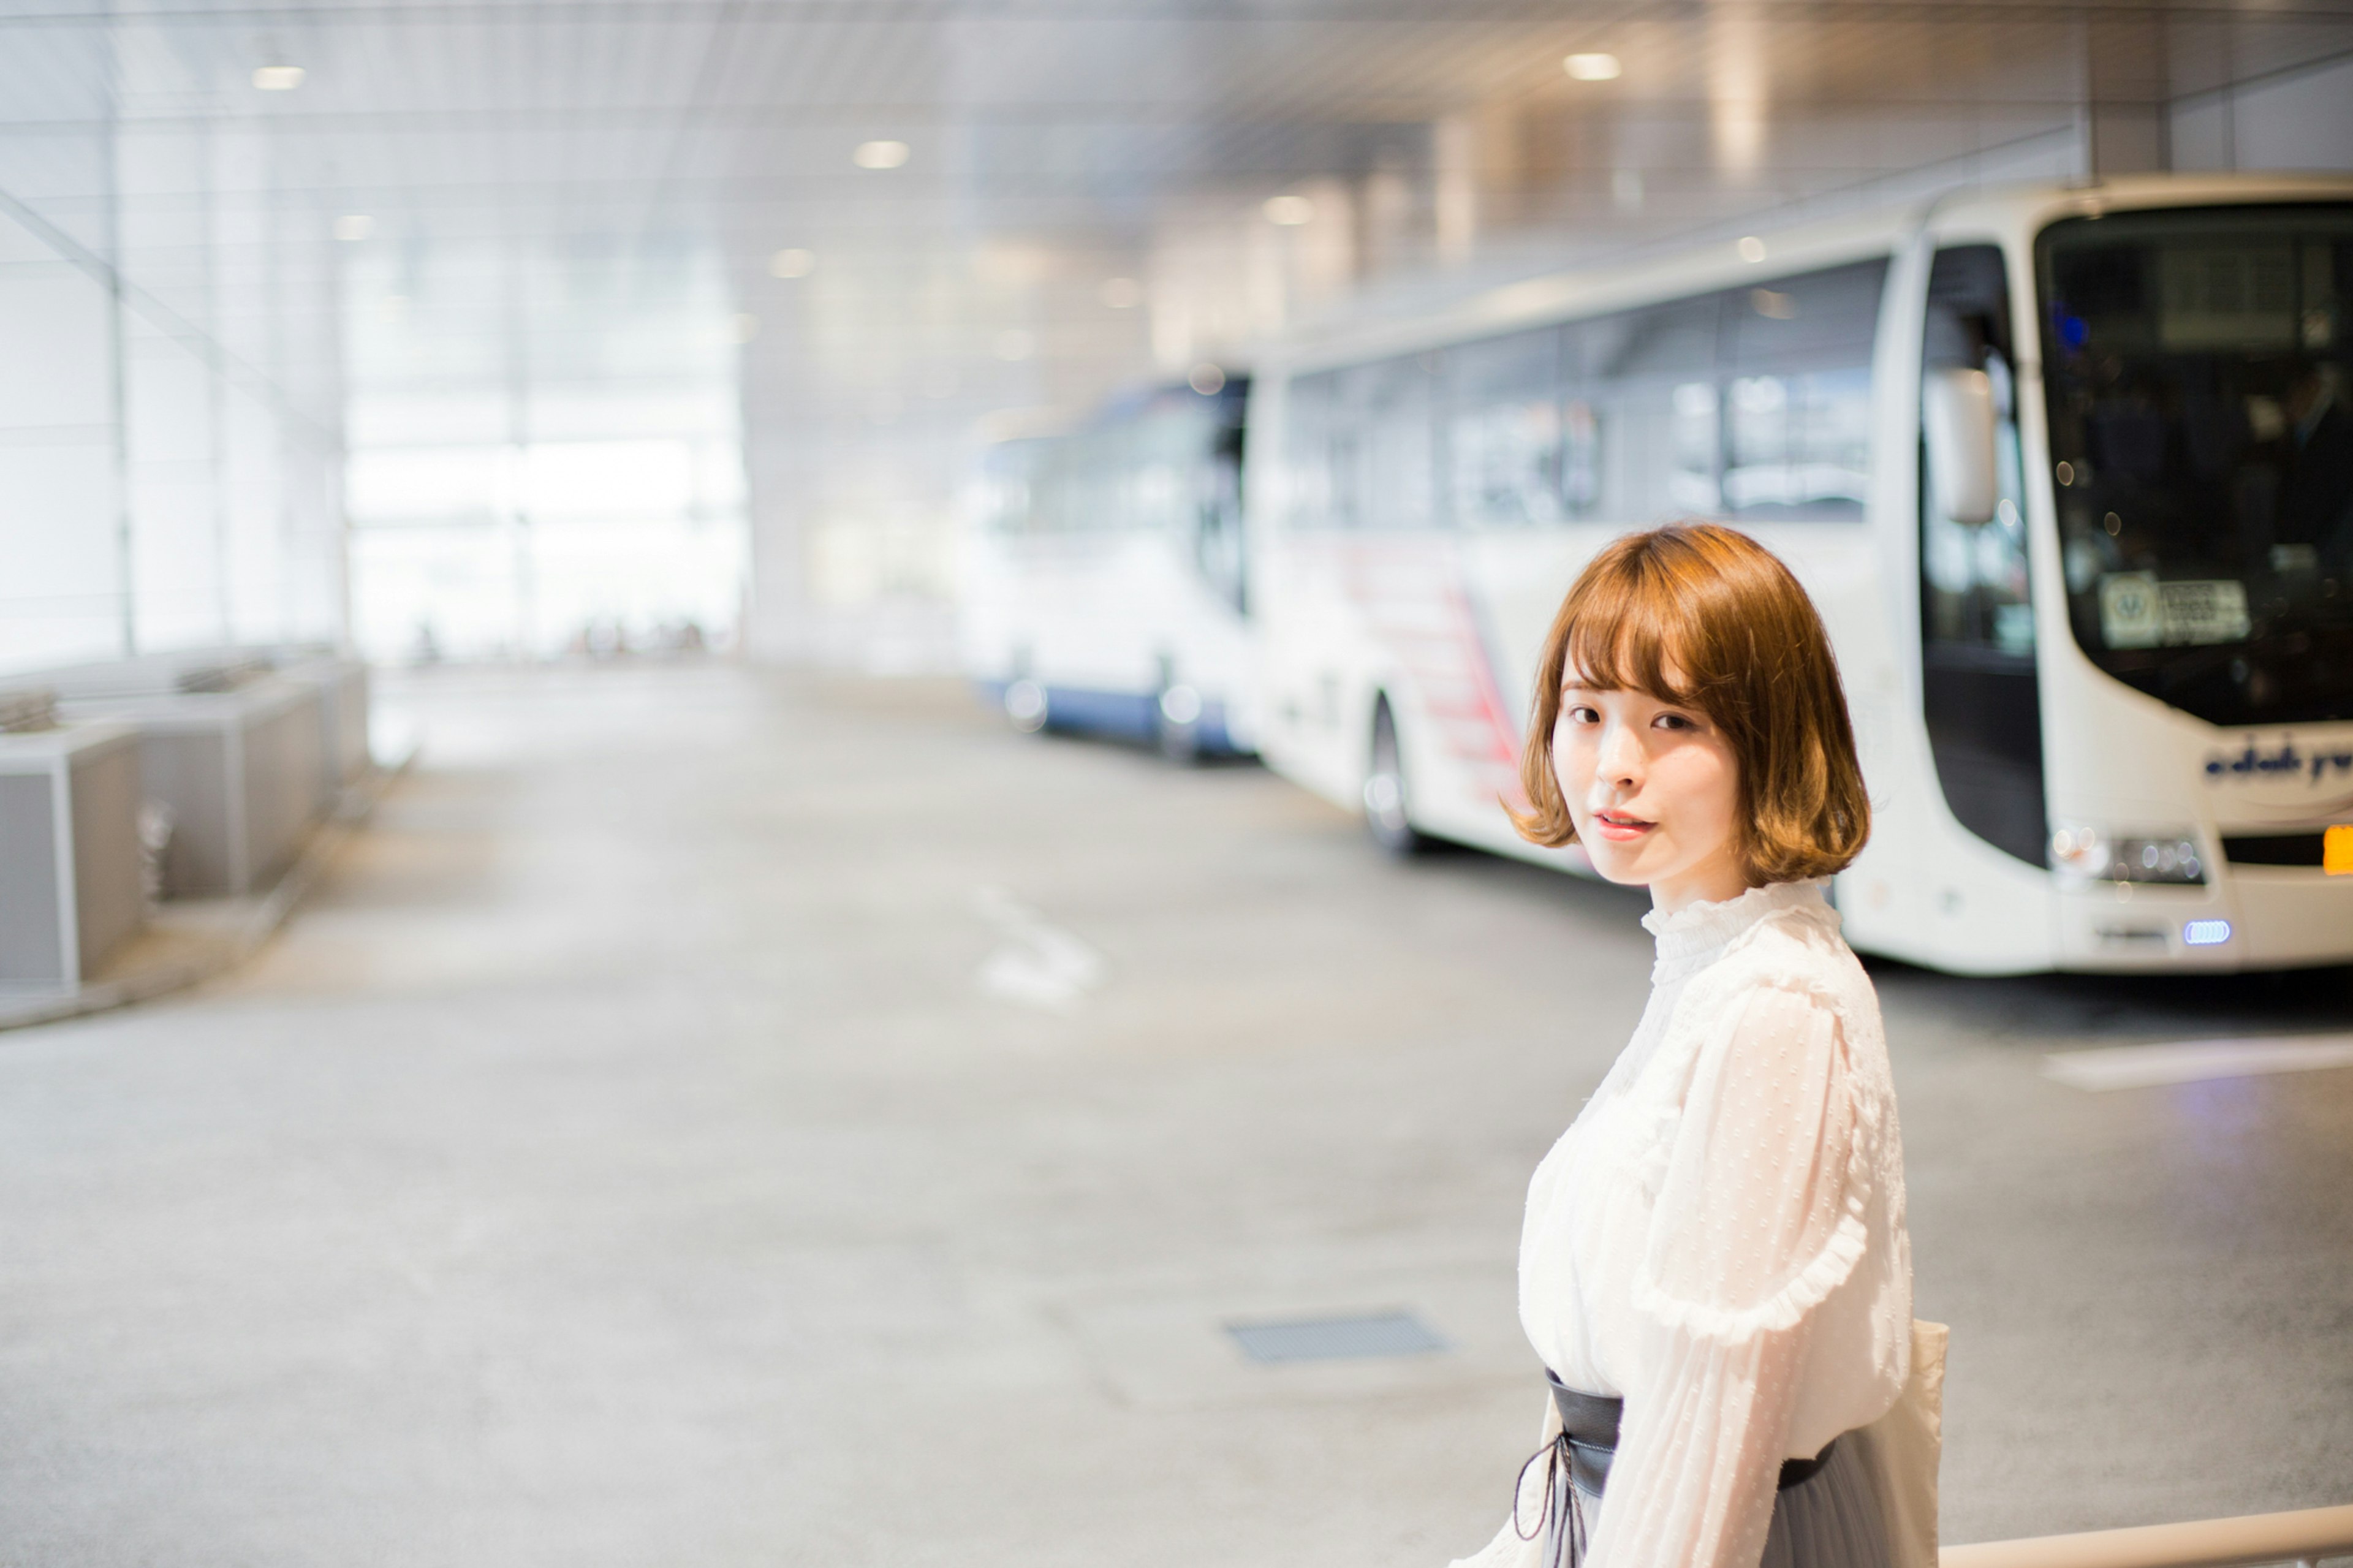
[1841,1253]
[1695,935]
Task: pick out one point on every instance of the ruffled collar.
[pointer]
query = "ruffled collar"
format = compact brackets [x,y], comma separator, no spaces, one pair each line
[1691,937]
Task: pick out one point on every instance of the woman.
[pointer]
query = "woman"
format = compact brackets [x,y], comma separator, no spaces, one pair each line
[1713,1265]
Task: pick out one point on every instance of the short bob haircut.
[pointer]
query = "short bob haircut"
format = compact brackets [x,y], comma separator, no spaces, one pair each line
[1704,618]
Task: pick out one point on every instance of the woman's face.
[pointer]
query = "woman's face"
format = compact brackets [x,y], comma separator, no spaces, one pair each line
[1654,790]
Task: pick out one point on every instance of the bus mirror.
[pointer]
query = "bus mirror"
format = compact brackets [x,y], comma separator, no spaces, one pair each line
[1957,418]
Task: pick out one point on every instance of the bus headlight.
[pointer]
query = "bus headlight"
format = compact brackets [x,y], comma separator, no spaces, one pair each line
[2143,858]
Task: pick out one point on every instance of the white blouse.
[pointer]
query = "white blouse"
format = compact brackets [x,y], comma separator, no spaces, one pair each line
[1719,1239]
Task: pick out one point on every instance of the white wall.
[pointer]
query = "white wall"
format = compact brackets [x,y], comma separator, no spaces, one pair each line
[2300,121]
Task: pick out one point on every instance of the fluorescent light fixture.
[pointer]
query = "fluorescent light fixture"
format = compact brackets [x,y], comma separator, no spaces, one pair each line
[1751,248]
[1289,211]
[353,228]
[1121,293]
[1206,378]
[1013,343]
[1593,68]
[2205,933]
[278,78]
[880,155]
[793,263]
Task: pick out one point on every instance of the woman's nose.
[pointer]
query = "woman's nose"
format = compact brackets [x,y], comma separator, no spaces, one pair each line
[1620,759]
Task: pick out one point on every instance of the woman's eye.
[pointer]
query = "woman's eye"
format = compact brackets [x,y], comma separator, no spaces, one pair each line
[1583,716]
[1674,721]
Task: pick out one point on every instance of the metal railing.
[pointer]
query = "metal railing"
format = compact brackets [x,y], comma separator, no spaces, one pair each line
[2303,1537]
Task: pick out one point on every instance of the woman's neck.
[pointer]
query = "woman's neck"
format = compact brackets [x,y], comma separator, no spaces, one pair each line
[1712,881]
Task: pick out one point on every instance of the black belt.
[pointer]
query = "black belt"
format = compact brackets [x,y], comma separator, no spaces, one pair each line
[1578,1460]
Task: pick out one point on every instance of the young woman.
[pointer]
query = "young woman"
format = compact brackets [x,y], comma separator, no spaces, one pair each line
[1713,1267]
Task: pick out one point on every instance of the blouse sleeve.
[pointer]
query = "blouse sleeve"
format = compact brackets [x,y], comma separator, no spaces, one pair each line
[1758,1218]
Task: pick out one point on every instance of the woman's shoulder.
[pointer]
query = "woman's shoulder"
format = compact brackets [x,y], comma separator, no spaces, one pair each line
[1795,955]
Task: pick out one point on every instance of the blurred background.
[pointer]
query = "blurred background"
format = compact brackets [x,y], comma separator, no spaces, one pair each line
[487,328]
[540,1019]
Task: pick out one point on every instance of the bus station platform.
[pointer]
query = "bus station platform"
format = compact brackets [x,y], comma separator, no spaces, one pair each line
[724,1118]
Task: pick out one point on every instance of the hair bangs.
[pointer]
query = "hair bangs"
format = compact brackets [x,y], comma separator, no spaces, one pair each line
[1631,631]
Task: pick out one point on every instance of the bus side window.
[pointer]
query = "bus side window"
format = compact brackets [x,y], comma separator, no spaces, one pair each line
[1977,619]
[1307,450]
[1797,396]
[1503,423]
[1396,454]
[1651,387]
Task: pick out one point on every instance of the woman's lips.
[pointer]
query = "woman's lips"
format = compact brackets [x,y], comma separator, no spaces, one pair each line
[1618,827]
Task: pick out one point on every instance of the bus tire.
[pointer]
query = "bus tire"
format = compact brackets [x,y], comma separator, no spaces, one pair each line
[1177,724]
[1388,796]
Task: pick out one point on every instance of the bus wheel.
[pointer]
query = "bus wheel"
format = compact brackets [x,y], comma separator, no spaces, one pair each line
[1388,801]
[1025,706]
[1177,724]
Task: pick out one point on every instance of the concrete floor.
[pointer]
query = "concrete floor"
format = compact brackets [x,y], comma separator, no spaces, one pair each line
[713,1120]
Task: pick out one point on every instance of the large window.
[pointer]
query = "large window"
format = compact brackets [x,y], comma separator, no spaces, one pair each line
[1798,395]
[1508,431]
[2200,370]
[1752,403]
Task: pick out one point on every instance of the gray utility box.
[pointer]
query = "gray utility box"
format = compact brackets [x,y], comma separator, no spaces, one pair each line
[69,891]
[238,770]
[341,687]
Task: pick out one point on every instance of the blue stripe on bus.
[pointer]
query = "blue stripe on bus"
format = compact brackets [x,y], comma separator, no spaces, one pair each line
[1130,715]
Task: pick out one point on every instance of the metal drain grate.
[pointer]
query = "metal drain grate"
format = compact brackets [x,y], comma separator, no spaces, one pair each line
[1365,1338]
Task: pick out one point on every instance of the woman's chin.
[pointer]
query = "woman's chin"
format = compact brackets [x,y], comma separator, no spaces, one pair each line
[1619,863]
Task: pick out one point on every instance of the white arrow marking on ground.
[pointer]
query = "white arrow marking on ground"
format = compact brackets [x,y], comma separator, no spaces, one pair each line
[1040,964]
[2193,1061]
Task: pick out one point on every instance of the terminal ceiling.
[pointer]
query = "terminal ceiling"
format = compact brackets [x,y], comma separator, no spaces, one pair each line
[1053,197]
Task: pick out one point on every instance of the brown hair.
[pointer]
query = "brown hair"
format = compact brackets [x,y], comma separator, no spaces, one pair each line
[1700,616]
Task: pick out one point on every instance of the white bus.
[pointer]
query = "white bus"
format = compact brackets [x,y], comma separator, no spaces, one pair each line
[2068,470]
[1103,586]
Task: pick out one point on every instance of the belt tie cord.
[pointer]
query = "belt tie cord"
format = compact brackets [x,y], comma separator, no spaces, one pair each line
[1561,1523]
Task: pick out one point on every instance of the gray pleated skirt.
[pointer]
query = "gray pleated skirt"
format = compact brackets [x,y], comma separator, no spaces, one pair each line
[1834,1519]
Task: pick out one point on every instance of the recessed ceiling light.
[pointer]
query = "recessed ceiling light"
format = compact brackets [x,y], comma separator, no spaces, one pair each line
[354,227]
[1121,293]
[1751,248]
[794,263]
[278,78]
[1013,343]
[1593,68]
[1289,211]
[880,155]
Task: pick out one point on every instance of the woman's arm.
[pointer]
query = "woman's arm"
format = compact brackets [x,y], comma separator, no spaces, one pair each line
[1758,1219]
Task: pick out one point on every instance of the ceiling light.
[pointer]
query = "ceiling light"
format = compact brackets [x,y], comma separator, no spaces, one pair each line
[1121,293]
[278,78]
[880,155]
[353,227]
[1206,378]
[1013,343]
[1593,68]
[1751,248]
[1289,211]
[793,263]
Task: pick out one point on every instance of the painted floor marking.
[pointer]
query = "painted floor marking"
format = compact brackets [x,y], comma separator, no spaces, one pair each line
[1040,964]
[2194,1061]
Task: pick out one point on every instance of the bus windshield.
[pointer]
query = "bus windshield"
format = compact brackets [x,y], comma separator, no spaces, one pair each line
[2200,370]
